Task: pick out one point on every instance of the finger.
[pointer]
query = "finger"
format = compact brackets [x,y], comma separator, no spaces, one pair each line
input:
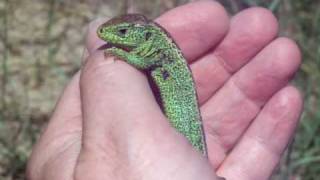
[228,113]
[105,84]
[110,102]
[196,27]
[59,145]
[248,34]
[266,139]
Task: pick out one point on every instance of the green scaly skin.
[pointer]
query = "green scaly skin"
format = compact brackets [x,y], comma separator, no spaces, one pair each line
[147,46]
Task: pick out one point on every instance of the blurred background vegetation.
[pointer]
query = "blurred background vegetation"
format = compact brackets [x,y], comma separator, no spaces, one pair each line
[42,44]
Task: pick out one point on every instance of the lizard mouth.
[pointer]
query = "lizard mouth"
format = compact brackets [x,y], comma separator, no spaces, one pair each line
[120,46]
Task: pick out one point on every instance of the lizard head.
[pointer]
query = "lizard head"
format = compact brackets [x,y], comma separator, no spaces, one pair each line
[126,31]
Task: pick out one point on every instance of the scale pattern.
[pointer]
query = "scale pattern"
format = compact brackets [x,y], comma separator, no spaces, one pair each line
[149,47]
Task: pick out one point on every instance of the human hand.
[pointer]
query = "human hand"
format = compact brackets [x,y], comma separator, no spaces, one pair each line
[107,124]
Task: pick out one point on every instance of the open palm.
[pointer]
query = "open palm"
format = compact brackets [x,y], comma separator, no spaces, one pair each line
[107,124]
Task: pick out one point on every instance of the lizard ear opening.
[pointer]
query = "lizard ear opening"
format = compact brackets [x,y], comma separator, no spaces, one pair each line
[148,35]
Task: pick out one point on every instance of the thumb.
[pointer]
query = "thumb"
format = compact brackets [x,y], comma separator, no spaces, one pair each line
[116,100]
[124,129]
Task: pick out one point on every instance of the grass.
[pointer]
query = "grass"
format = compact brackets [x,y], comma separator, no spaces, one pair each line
[305,157]
[41,47]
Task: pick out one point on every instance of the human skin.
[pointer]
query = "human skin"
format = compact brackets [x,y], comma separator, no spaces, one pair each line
[107,124]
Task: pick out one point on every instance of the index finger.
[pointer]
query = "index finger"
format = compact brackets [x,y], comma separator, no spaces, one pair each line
[196,27]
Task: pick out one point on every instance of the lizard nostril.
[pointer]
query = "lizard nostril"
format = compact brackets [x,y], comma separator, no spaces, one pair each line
[101,30]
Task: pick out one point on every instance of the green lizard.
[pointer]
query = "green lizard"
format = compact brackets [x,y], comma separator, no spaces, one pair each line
[147,46]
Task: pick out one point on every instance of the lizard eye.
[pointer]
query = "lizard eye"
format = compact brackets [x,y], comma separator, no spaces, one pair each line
[123,32]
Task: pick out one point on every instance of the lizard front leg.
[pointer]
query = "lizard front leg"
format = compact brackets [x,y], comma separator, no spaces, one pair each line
[129,57]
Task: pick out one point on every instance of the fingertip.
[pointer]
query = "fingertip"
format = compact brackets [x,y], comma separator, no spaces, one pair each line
[285,57]
[262,21]
[92,40]
[97,22]
[290,98]
[290,50]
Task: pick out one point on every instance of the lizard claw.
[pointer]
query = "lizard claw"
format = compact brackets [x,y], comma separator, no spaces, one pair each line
[111,52]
